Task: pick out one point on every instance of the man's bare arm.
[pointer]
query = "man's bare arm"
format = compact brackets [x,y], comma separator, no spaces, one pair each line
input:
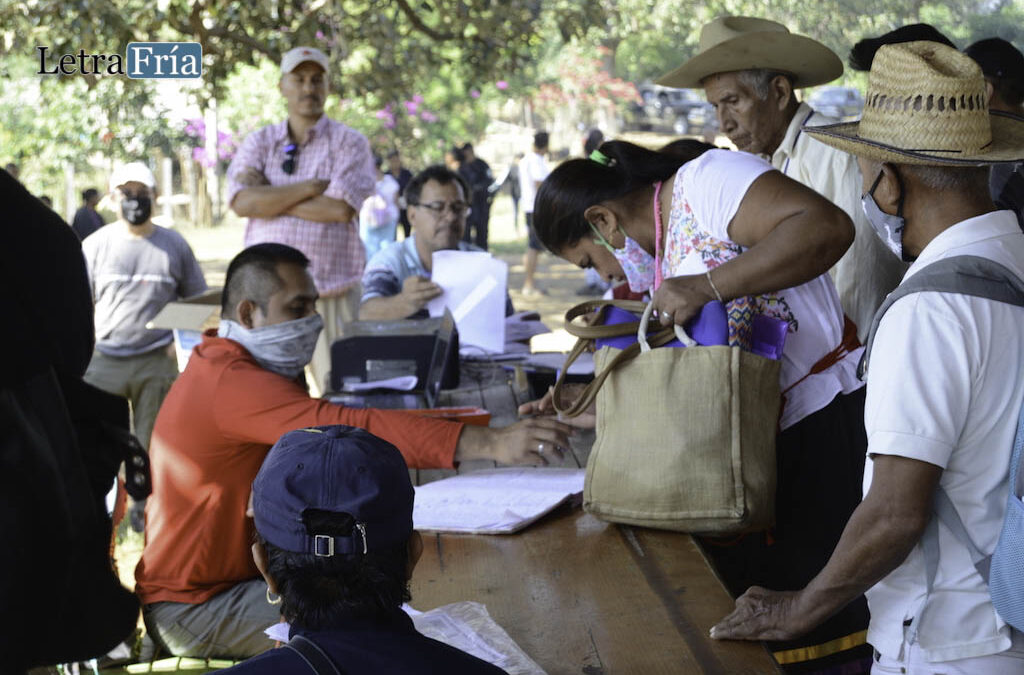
[880,534]
[416,292]
[269,201]
[323,209]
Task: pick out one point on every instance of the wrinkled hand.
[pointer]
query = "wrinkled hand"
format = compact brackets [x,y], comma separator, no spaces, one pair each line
[416,292]
[680,298]
[251,178]
[545,406]
[761,614]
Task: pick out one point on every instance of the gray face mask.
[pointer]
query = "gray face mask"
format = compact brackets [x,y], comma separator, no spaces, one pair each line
[283,348]
[889,228]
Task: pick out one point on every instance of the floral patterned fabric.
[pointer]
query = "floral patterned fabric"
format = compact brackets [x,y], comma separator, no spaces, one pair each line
[706,195]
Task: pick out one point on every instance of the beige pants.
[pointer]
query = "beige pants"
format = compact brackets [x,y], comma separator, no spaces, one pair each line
[336,311]
[228,625]
[144,380]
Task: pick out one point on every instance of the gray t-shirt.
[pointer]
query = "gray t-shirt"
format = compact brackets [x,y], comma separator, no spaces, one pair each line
[132,278]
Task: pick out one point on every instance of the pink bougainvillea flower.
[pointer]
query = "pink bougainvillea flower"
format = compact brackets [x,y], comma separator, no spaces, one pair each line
[501,84]
[474,93]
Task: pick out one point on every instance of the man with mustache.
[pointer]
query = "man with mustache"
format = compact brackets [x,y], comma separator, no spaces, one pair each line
[396,284]
[750,69]
[301,182]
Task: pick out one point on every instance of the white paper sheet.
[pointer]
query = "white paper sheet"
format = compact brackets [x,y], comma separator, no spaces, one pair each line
[475,288]
[493,501]
[400,383]
[463,625]
[469,627]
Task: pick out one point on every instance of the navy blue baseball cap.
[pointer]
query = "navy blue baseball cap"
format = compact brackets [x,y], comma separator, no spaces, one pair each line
[339,469]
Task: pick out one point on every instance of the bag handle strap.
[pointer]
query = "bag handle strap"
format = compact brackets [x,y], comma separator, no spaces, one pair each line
[602,331]
[641,331]
[589,393]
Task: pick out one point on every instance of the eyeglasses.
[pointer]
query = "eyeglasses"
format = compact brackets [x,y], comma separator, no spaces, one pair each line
[438,208]
[290,151]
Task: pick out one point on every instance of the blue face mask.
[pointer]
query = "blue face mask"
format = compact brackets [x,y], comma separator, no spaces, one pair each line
[889,228]
[637,264]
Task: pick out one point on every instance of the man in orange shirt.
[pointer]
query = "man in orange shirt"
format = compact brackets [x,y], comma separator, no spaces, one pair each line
[242,390]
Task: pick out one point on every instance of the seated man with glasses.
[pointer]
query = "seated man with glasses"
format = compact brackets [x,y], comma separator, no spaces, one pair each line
[396,283]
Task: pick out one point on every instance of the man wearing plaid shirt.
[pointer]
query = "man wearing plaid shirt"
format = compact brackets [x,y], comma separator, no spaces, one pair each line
[301,182]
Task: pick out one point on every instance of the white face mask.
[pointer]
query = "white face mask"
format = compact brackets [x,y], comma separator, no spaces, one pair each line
[282,348]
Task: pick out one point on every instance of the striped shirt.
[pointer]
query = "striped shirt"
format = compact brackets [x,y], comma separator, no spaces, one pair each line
[332,152]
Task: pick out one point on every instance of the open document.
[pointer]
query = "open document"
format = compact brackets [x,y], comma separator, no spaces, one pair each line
[463,625]
[468,626]
[475,288]
[494,501]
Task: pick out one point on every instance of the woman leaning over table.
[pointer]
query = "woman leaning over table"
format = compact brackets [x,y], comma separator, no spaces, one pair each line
[726,226]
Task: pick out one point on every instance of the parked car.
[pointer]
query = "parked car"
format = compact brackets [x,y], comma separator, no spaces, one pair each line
[681,111]
[839,102]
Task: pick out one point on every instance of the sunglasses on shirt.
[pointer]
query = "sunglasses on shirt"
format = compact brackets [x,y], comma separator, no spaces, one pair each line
[290,151]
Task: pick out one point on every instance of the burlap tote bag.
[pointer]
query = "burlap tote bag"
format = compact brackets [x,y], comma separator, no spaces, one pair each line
[685,436]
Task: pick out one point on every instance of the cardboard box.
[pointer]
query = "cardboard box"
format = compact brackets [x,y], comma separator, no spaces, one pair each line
[187,319]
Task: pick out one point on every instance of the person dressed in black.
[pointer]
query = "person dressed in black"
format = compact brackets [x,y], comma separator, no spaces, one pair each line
[478,174]
[511,180]
[1002,64]
[87,220]
[403,176]
[333,512]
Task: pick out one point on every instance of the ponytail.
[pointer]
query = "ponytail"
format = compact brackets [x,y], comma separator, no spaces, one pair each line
[616,169]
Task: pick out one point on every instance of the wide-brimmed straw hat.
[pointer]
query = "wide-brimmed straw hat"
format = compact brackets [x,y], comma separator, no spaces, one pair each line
[731,43]
[926,104]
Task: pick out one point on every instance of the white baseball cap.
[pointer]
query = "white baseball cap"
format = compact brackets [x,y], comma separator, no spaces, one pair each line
[134,171]
[293,58]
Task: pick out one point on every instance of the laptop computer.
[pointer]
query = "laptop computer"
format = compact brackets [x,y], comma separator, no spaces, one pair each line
[427,392]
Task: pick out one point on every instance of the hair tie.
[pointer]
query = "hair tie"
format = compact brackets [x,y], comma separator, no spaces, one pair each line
[602,159]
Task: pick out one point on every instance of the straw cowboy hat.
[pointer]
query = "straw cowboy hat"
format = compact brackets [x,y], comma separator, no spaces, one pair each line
[732,43]
[926,104]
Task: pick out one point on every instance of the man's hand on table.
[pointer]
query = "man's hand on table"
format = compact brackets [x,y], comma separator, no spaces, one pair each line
[534,441]
[761,614]
[545,406]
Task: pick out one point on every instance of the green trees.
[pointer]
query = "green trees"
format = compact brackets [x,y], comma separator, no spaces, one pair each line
[419,73]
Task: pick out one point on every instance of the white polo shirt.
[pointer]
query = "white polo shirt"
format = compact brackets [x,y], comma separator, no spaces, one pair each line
[945,387]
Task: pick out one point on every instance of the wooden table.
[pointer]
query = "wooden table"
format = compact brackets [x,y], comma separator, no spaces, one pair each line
[583,596]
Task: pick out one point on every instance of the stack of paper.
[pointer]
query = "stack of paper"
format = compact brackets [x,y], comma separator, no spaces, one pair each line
[494,501]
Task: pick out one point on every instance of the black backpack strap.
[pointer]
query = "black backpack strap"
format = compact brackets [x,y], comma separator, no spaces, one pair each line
[314,657]
[965,275]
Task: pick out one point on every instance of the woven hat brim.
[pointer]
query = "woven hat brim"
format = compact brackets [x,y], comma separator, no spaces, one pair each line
[809,61]
[1007,145]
